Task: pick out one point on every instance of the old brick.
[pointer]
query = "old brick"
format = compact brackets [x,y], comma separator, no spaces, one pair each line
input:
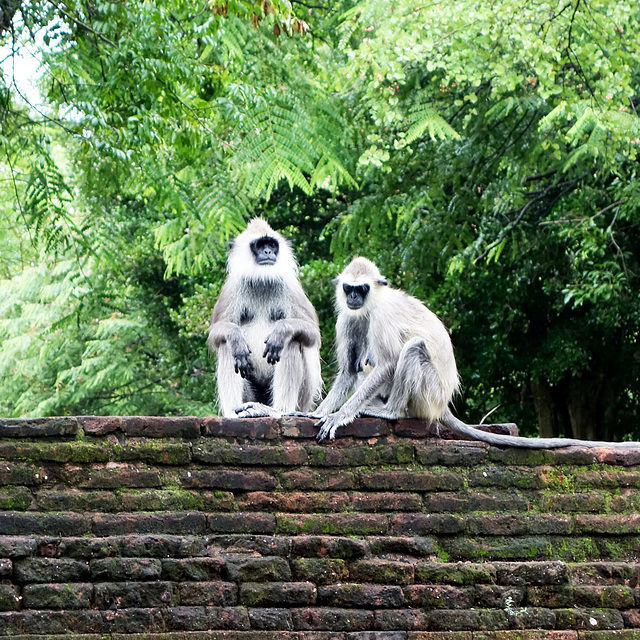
[405,619]
[508,477]
[161,500]
[598,573]
[270,619]
[57,622]
[217,452]
[6,568]
[531,573]
[16,546]
[254,428]
[588,619]
[320,571]
[463,620]
[16,473]
[161,427]
[382,571]
[574,502]
[361,596]
[328,547]
[451,453]
[15,498]
[162,546]
[155,452]
[192,569]
[311,480]
[9,597]
[468,502]
[298,427]
[518,525]
[386,501]
[529,618]
[497,597]
[229,479]
[212,594]
[425,523]
[255,569]
[330,619]
[333,524]
[438,596]
[616,596]
[366,428]
[119,569]
[405,545]
[127,523]
[294,501]
[133,620]
[631,618]
[498,548]
[214,501]
[258,594]
[613,524]
[50,570]
[241,523]
[75,500]
[125,595]
[100,425]
[458,573]
[37,427]
[119,475]
[251,544]
[399,480]
[207,618]
[57,596]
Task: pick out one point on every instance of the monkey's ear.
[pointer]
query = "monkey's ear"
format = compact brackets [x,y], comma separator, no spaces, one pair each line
[383,281]
[230,244]
[335,281]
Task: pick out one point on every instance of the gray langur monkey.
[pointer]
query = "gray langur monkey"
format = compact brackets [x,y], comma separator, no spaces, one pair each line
[413,371]
[265,330]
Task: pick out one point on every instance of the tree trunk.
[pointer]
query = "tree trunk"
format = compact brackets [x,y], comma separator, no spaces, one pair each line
[582,405]
[548,423]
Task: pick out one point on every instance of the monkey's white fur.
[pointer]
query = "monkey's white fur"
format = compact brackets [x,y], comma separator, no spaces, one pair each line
[413,372]
[264,305]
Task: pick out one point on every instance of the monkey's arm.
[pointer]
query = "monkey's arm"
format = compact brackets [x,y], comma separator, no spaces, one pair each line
[298,329]
[337,394]
[370,387]
[230,333]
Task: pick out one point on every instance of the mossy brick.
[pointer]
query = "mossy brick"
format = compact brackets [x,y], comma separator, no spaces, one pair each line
[154,452]
[598,573]
[454,573]
[613,597]
[522,618]
[119,569]
[179,523]
[298,428]
[6,568]
[614,548]
[270,619]
[627,502]
[609,524]
[207,618]
[518,524]
[339,524]
[215,593]
[133,620]
[468,620]
[531,573]
[256,569]
[162,546]
[328,547]
[507,477]
[631,618]
[241,523]
[250,544]
[567,456]
[319,571]
[251,428]
[491,596]
[362,596]
[581,548]
[15,498]
[448,635]
[192,569]
[161,427]
[161,500]
[35,623]
[9,597]
[229,479]
[218,501]
[421,524]
[613,455]
[386,501]
[443,502]
[224,453]
[126,595]
[380,571]
[18,473]
[532,632]
[438,596]
[574,503]
[62,452]
[404,619]
[331,619]
[17,546]
[295,501]
[120,475]
[356,455]
[607,479]
[401,480]
[37,427]
[316,480]
[497,548]
[57,596]
[27,570]
[64,499]
[452,454]
[415,546]
[588,619]
[277,594]
[81,547]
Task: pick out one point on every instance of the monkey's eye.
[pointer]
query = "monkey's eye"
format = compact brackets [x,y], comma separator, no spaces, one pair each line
[365,289]
[347,288]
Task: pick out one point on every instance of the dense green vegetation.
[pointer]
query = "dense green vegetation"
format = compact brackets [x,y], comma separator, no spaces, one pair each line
[483,154]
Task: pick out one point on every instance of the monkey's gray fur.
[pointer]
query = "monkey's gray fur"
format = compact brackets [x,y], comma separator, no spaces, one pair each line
[265,331]
[413,369]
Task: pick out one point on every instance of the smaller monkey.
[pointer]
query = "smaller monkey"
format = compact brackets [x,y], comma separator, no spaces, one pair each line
[265,330]
[413,369]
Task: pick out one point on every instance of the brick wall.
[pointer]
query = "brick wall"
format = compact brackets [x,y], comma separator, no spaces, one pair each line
[178,528]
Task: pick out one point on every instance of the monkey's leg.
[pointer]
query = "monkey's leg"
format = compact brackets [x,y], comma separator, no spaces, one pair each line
[289,380]
[233,390]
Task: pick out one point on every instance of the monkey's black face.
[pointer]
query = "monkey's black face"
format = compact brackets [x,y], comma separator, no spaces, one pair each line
[265,250]
[356,294]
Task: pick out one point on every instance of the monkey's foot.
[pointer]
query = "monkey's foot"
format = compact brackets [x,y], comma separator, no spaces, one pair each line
[329,424]
[256,410]
[302,414]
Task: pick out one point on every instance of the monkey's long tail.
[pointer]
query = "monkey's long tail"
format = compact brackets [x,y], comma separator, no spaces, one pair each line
[451,422]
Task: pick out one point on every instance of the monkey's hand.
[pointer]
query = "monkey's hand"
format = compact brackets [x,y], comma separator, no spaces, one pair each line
[274,345]
[256,410]
[241,356]
[329,424]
